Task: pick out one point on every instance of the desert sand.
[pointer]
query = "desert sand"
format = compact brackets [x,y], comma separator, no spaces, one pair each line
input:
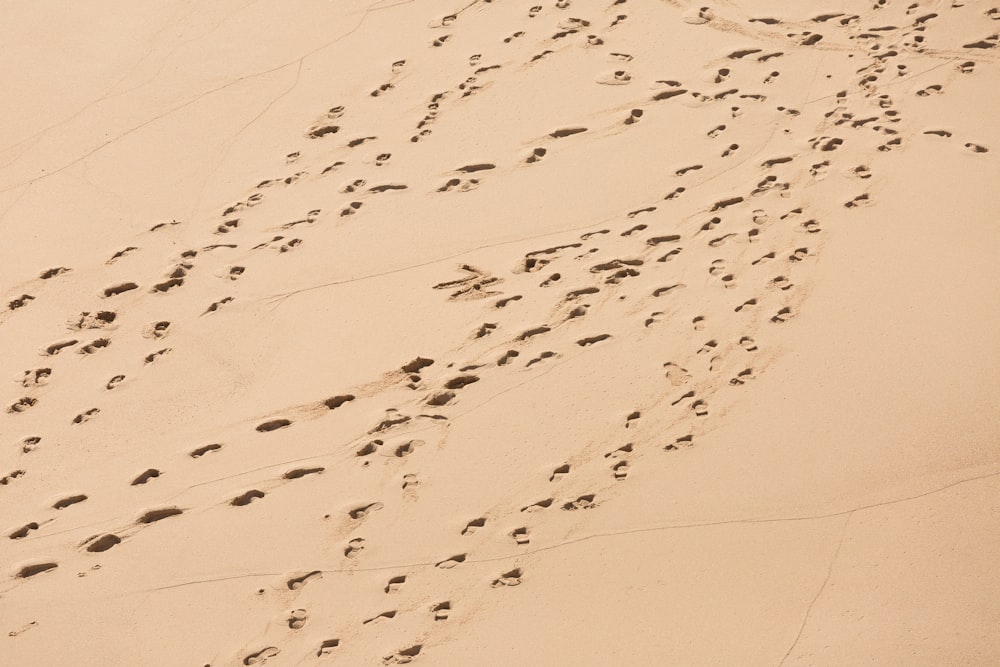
[480,332]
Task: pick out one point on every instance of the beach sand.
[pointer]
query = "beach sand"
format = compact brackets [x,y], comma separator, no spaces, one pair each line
[472,332]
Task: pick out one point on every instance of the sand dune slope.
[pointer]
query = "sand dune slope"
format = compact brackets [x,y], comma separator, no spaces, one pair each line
[481,332]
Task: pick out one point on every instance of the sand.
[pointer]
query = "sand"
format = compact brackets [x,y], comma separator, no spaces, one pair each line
[471,332]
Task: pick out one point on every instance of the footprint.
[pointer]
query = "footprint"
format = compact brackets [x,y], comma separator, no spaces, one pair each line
[540,505]
[245,499]
[507,356]
[153,516]
[403,656]
[616,78]
[567,132]
[520,535]
[11,476]
[150,358]
[559,472]
[620,470]
[20,302]
[461,381]
[441,398]
[37,568]
[167,285]
[326,648]
[273,425]
[22,405]
[23,531]
[512,578]
[782,315]
[407,448]
[85,416]
[156,330]
[68,501]
[299,473]
[449,563]
[676,375]
[441,610]
[297,619]
[617,453]
[262,656]
[295,583]
[473,525]
[384,616]
[218,304]
[335,402]
[56,348]
[534,332]
[584,342]
[101,543]
[582,503]
[684,441]
[354,547]
[395,584]
[540,358]
[827,143]
[29,444]
[667,94]
[536,155]
[145,477]
[121,288]
[201,451]
[359,513]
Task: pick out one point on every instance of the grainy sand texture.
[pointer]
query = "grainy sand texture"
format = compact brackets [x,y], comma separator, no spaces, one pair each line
[485,332]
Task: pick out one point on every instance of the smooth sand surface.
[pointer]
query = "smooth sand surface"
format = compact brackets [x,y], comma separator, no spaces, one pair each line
[476,332]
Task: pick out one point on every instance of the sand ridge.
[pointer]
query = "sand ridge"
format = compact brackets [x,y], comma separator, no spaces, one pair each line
[448,349]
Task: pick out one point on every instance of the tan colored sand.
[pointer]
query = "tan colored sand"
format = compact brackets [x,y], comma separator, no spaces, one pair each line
[698,306]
